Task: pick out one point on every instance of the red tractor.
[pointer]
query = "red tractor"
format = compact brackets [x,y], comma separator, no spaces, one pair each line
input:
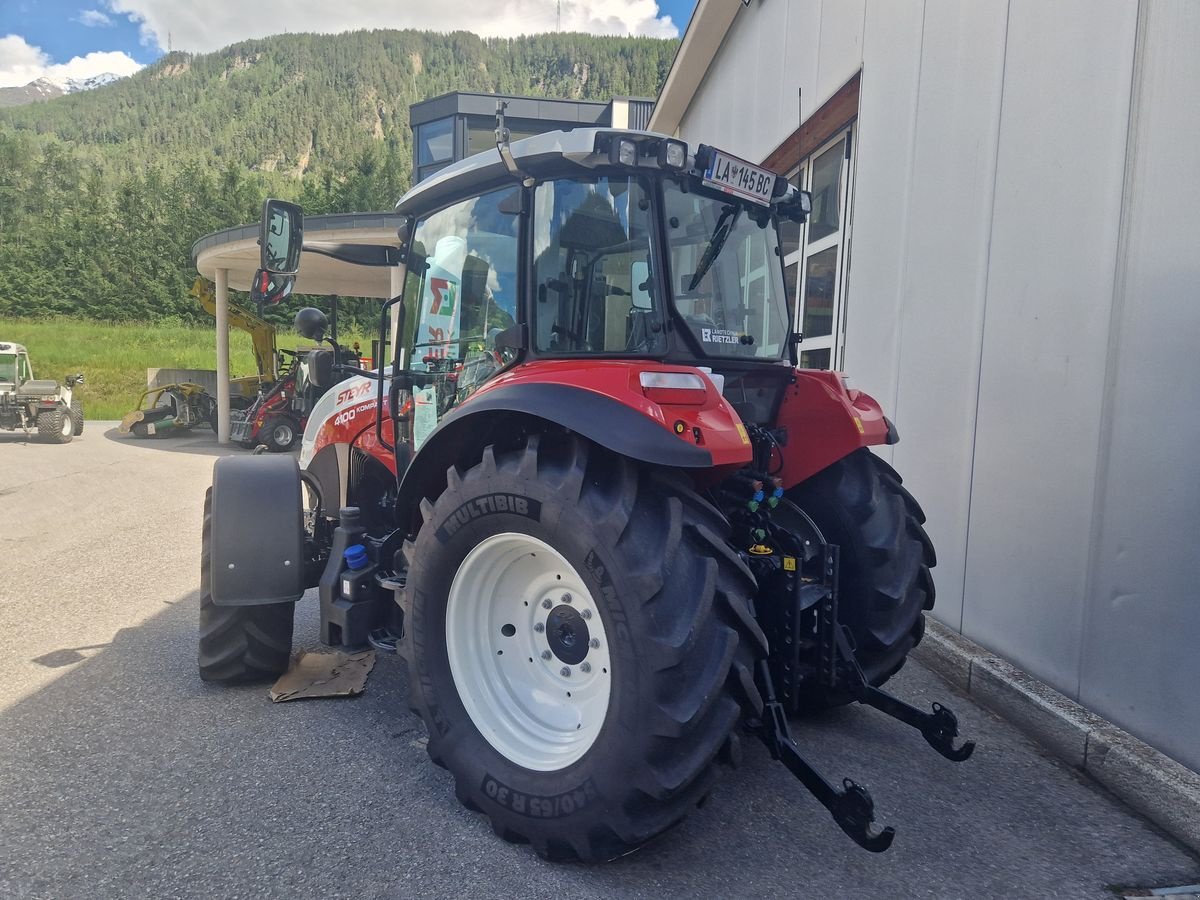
[592,502]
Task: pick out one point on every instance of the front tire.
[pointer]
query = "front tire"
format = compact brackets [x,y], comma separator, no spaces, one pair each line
[77,416]
[239,644]
[860,504]
[584,765]
[280,433]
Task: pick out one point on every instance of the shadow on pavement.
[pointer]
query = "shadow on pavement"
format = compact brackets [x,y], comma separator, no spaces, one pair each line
[127,776]
[200,440]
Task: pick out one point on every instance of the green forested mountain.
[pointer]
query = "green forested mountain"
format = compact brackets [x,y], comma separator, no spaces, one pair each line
[102,193]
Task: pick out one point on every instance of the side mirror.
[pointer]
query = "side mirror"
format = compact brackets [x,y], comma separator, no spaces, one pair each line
[281,237]
[270,289]
[311,324]
[796,206]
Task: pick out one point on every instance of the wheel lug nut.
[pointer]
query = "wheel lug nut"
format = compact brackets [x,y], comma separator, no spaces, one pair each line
[585,667]
[539,627]
[587,613]
[567,598]
[546,604]
[594,643]
[565,671]
[545,654]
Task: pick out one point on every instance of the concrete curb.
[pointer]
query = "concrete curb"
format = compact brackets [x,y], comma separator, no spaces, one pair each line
[1157,786]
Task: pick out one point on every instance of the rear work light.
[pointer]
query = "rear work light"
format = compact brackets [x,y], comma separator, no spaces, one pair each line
[674,388]
[622,152]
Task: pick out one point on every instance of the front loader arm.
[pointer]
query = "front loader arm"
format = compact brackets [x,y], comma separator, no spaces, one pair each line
[262,332]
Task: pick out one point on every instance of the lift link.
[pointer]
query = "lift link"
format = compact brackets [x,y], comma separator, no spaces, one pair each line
[839,666]
[852,807]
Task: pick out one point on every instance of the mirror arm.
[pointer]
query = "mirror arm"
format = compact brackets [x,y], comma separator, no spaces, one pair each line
[394,391]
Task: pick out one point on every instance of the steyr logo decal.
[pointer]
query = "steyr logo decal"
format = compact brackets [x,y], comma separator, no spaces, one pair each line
[540,807]
[488,504]
[353,393]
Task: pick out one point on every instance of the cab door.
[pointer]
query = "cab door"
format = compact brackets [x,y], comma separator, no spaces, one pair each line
[462,291]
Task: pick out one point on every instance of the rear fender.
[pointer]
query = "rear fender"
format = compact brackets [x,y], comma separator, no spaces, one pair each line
[826,422]
[257,531]
[611,411]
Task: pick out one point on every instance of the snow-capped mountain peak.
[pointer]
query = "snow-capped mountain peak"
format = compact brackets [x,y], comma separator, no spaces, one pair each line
[74,85]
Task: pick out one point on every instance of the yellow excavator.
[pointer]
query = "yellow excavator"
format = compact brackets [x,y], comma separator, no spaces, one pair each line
[182,406]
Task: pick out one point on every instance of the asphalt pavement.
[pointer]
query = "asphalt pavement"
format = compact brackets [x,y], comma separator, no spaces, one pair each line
[122,775]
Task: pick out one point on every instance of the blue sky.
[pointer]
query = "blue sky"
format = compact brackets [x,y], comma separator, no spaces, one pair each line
[56,27]
[69,38]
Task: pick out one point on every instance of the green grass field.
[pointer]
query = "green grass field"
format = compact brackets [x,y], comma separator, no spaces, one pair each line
[114,358]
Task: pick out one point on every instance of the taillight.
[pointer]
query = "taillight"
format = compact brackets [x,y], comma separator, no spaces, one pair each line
[674,388]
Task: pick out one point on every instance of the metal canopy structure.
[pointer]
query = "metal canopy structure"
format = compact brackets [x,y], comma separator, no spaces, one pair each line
[236,251]
[230,258]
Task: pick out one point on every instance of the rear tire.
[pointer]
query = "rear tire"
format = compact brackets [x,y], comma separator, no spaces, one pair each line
[859,504]
[77,416]
[646,562]
[239,644]
[56,425]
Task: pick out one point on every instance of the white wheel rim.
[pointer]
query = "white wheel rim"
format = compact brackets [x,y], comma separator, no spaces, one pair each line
[283,435]
[517,619]
[68,425]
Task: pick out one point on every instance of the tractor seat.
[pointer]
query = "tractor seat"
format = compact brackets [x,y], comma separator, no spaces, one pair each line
[320,368]
[38,388]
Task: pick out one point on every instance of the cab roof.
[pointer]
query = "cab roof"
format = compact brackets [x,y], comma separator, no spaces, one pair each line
[9,347]
[550,153]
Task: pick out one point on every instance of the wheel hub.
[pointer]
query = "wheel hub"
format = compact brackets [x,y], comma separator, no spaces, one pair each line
[528,651]
[568,635]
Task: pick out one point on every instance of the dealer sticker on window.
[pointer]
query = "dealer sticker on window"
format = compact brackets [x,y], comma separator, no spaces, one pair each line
[719,336]
[735,176]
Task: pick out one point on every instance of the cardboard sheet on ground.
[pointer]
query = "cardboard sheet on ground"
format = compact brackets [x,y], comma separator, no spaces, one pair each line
[315,674]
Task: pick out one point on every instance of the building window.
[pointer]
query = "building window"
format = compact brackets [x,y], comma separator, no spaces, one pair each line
[815,254]
[435,146]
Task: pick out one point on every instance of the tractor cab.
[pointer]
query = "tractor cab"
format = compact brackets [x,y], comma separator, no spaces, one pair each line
[615,246]
[14,367]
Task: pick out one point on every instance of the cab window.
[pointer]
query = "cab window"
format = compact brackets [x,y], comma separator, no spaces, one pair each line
[593,272]
[461,293]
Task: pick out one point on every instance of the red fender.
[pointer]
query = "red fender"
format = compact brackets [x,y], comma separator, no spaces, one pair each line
[825,422]
[701,419]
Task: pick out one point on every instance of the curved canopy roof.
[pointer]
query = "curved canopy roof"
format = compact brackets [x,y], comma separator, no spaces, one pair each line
[236,249]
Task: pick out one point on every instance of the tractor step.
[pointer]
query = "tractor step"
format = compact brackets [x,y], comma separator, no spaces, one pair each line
[384,640]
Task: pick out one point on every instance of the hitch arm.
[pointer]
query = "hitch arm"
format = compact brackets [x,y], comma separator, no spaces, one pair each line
[851,807]
[939,728]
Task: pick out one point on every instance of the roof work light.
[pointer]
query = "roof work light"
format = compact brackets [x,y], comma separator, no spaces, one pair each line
[672,154]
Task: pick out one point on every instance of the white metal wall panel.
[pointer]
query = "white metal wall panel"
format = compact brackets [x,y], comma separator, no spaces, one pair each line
[1049,293]
[747,101]
[840,52]
[882,188]
[1143,627]
[940,324]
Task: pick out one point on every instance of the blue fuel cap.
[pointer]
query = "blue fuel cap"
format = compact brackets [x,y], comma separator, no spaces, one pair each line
[356,557]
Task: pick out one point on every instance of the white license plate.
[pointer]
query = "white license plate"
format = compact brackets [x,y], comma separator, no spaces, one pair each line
[735,176]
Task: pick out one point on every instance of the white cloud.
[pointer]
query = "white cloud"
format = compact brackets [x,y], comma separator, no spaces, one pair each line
[21,63]
[93,18]
[97,63]
[218,23]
